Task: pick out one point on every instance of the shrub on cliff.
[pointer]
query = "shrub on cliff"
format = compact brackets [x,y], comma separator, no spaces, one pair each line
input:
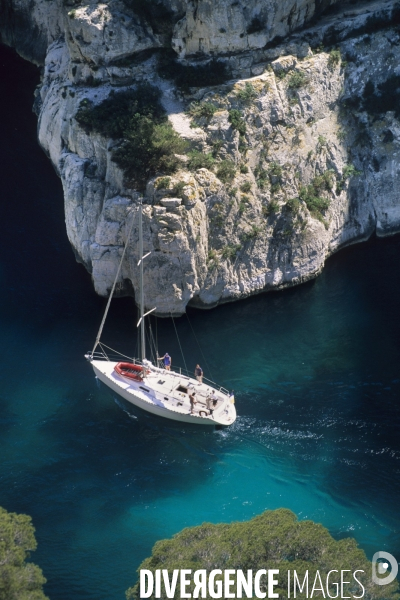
[247,94]
[226,171]
[236,120]
[19,580]
[272,540]
[113,117]
[200,160]
[202,109]
[297,79]
[316,204]
[148,145]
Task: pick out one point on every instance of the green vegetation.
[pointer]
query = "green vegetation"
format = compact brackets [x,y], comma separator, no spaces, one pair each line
[213,263]
[150,148]
[251,234]
[148,145]
[322,141]
[275,173]
[236,120]
[334,58]
[216,147]
[202,109]
[19,580]
[242,144]
[245,187]
[316,204]
[230,252]
[348,172]
[215,72]
[341,135]
[275,539]
[275,187]
[275,170]
[262,183]
[226,171]
[247,94]
[163,183]
[200,160]
[261,176]
[178,189]
[271,208]
[324,181]
[244,168]
[293,204]
[242,204]
[113,117]
[297,80]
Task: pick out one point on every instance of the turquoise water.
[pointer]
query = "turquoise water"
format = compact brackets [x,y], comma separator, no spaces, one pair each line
[315,372]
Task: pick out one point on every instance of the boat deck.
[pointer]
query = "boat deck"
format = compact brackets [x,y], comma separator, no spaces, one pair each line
[169,391]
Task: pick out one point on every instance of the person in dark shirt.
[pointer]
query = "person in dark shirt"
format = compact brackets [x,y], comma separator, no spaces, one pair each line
[167,361]
[199,373]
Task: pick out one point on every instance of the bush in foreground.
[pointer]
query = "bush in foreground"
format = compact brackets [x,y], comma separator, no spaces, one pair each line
[272,540]
[19,580]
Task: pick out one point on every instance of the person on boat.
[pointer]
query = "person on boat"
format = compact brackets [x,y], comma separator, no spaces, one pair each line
[213,399]
[199,373]
[209,404]
[192,398]
[167,361]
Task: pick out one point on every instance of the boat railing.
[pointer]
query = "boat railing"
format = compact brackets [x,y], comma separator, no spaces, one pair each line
[189,375]
[179,371]
[110,356]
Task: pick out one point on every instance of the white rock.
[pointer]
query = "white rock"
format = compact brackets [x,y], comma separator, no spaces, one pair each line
[170,202]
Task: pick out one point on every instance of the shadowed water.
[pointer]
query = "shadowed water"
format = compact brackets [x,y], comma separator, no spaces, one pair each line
[315,372]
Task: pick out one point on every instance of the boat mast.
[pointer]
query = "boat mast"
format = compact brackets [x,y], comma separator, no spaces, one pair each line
[112,290]
[142,332]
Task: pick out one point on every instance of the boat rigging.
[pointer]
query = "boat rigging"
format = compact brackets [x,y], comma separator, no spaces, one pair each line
[171,394]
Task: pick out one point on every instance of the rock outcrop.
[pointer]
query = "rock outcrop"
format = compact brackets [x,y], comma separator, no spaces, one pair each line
[220,27]
[305,159]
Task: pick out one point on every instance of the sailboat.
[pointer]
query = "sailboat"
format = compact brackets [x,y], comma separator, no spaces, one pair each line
[171,394]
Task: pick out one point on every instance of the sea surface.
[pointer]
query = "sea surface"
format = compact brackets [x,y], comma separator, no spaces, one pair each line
[315,369]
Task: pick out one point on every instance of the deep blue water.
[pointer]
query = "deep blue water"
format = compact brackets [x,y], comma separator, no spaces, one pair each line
[315,369]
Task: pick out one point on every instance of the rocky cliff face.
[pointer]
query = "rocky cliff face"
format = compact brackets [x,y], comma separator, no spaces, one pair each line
[218,26]
[303,153]
[197,26]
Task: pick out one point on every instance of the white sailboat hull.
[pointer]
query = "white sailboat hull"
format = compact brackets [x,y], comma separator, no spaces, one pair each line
[156,395]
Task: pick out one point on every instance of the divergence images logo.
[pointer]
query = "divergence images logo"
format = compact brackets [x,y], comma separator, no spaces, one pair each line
[381,562]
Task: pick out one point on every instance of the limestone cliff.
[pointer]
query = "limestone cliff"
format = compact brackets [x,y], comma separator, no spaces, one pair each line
[302,151]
